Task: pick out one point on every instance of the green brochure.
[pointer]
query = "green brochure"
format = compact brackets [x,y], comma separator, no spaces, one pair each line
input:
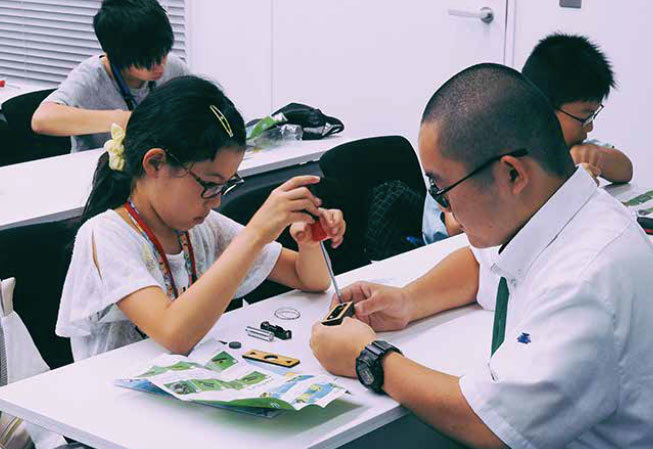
[213,376]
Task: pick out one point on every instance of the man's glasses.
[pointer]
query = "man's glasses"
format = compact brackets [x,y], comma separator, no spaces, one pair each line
[585,122]
[211,189]
[438,194]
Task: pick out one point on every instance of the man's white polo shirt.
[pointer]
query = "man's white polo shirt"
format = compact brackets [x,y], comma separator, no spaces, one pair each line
[576,366]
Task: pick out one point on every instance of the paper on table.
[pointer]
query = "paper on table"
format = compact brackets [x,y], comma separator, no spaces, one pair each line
[639,200]
[210,375]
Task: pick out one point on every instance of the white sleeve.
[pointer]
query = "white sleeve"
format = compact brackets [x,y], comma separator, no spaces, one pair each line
[225,230]
[125,264]
[554,376]
[72,90]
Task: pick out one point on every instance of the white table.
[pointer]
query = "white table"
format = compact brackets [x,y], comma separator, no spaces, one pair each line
[80,401]
[14,89]
[57,188]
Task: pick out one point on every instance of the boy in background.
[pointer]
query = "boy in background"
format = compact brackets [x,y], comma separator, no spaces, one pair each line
[136,37]
[576,77]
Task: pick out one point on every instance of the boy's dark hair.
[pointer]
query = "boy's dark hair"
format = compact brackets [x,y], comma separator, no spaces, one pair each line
[178,118]
[568,68]
[133,32]
[490,109]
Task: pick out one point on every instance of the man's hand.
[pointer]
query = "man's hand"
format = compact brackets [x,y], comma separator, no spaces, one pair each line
[337,347]
[381,307]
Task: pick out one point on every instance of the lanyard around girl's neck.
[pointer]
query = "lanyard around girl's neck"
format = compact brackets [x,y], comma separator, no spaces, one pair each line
[164,265]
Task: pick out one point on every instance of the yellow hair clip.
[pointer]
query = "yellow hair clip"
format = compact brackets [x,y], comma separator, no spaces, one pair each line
[222,119]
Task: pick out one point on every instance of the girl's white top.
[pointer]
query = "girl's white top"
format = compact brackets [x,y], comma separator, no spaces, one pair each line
[88,314]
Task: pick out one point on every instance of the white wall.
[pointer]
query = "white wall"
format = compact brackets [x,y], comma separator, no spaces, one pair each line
[375,63]
[623,30]
[230,42]
[371,63]
[267,52]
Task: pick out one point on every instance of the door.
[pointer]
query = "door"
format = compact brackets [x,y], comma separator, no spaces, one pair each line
[375,63]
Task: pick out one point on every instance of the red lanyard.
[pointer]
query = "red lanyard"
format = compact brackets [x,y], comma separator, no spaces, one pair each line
[164,265]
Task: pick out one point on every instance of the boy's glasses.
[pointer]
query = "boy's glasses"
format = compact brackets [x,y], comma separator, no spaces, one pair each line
[438,194]
[211,189]
[585,122]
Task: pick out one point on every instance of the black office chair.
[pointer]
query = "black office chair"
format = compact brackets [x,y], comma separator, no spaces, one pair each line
[7,152]
[38,257]
[354,170]
[26,144]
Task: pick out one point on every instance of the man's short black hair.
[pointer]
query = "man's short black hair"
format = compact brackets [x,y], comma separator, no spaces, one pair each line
[490,109]
[133,32]
[568,68]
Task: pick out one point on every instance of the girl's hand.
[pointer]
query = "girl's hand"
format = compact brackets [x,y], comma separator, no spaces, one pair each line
[291,202]
[332,222]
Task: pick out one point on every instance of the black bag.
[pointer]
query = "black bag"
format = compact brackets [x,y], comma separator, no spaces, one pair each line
[315,124]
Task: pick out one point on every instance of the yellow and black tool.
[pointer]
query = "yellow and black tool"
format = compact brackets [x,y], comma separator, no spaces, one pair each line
[273,359]
[338,313]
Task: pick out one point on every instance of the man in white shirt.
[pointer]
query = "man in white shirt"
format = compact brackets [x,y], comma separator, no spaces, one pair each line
[570,364]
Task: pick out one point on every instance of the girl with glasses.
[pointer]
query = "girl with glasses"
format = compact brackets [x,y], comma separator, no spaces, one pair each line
[152,257]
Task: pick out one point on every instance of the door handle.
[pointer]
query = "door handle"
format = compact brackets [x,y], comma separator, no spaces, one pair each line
[485,14]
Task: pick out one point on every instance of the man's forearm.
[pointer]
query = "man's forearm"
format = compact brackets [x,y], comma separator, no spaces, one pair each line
[437,399]
[451,283]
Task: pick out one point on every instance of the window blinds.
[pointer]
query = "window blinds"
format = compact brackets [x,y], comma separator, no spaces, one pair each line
[42,40]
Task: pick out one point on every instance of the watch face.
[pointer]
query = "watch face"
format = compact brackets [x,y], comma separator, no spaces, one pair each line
[364,374]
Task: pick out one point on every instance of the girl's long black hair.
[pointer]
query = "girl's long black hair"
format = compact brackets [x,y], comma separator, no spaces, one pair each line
[176,117]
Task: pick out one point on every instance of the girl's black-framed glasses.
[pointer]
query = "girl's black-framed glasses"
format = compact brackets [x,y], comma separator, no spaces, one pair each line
[211,189]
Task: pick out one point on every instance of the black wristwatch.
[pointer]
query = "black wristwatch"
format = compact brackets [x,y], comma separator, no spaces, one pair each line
[369,364]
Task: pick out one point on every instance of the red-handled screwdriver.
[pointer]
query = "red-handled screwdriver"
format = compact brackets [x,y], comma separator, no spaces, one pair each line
[319,235]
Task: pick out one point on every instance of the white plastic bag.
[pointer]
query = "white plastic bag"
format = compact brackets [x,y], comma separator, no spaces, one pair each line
[22,360]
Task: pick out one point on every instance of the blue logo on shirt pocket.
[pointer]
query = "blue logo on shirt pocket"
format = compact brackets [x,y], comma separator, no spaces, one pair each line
[524,338]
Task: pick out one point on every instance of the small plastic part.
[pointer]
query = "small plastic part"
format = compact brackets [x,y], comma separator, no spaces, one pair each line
[259,333]
[287,313]
[232,344]
[278,331]
[2,83]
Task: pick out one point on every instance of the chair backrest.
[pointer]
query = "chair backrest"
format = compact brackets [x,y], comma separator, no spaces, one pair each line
[356,168]
[38,257]
[27,145]
[7,147]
